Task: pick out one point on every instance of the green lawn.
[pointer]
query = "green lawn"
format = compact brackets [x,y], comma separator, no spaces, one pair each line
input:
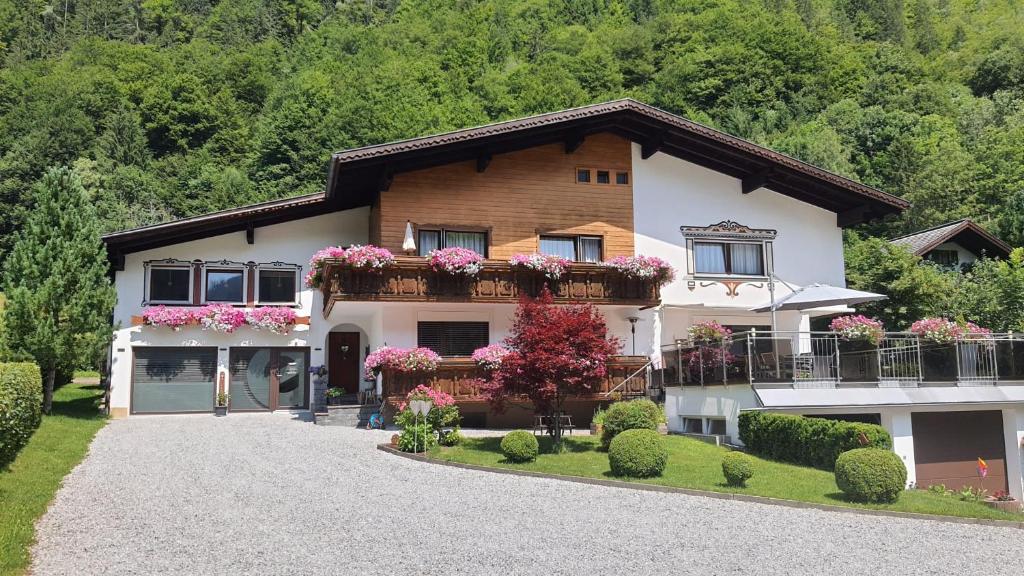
[697,465]
[27,487]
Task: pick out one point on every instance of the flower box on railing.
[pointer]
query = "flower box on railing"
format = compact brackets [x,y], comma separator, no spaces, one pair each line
[411,279]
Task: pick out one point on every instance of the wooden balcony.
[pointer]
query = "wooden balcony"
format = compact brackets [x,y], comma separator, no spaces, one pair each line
[412,280]
[461,378]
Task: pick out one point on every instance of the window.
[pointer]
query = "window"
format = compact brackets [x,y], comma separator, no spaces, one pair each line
[693,425]
[225,285]
[716,426]
[601,176]
[575,248]
[947,258]
[435,239]
[170,284]
[452,338]
[276,286]
[741,259]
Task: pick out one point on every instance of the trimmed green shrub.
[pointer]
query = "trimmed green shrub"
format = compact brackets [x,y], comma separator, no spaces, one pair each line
[21,400]
[520,446]
[637,453]
[809,441]
[622,416]
[871,475]
[737,468]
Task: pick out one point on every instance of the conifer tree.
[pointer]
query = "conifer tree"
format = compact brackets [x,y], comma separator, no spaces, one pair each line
[59,297]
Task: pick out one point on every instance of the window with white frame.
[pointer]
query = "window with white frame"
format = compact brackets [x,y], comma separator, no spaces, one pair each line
[168,282]
[433,239]
[277,283]
[728,249]
[224,282]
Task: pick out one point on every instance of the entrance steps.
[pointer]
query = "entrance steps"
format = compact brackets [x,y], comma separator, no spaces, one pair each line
[350,415]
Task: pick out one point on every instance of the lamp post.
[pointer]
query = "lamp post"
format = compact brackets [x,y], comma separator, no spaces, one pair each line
[632,329]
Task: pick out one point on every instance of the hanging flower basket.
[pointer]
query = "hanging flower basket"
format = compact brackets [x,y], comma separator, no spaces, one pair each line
[173,318]
[858,328]
[552,267]
[455,261]
[400,360]
[643,268]
[277,319]
[220,318]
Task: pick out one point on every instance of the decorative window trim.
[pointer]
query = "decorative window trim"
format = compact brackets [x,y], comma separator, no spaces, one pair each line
[149,265]
[613,175]
[728,232]
[224,265]
[276,266]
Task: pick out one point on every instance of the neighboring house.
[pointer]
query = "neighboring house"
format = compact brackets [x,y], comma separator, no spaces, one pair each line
[954,244]
[737,221]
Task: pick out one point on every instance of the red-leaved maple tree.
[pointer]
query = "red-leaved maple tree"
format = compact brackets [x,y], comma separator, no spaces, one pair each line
[554,352]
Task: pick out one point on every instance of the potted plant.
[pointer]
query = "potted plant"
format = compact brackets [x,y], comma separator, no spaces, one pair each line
[334,396]
[221,408]
[938,337]
[454,269]
[597,422]
[859,337]
[1003,500]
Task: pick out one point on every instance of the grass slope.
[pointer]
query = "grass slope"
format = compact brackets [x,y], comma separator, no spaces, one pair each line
[697,465]
[31,481]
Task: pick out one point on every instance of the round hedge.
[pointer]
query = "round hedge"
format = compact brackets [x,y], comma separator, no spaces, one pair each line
[871,475]
[520,446]
[737,468]
[637,453]
[630,415]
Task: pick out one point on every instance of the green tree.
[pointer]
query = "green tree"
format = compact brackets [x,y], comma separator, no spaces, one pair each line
[59,295]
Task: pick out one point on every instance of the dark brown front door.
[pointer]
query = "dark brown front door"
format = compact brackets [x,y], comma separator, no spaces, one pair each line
[947,446]
[343,361]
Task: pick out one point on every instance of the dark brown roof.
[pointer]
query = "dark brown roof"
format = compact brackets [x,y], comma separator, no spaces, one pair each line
[964,232]
[357,176]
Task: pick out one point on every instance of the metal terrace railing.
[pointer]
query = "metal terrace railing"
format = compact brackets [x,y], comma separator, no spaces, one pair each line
[825,360]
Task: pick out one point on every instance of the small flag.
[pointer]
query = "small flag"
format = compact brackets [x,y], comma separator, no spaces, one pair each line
[982,468]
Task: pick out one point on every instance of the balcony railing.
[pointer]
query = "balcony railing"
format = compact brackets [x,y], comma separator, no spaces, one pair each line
[461,378]
[412,280]
[824,360]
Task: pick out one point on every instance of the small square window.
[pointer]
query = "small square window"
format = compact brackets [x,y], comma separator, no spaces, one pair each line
[170,284]
[583,176]
[603,177]
[277,286]
[622,177]
[225,286]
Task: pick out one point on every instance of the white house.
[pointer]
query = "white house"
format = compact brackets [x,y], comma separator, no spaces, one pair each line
[738,222]
[954,244]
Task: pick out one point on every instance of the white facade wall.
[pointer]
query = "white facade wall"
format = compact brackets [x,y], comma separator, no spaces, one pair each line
[709,402]
[290,242]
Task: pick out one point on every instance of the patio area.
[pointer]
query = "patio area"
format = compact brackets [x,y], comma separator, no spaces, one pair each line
[273,494]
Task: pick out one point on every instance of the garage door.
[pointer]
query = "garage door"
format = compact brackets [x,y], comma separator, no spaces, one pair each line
[173,379]
[947,446]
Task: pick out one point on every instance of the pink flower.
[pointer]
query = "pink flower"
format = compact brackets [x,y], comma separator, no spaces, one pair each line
[490,357]
[940,330]
[858,327]
[220,317]
[438,398]
[415,360]
[314,277]
[455,260]
[368,257]
[552,266]
[277,319]
[643,268]
[173,318]
[708,331]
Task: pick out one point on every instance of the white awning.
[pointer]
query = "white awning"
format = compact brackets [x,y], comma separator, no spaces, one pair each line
[857,397]
[819,296]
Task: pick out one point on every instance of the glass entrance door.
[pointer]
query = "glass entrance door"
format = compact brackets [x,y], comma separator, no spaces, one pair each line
[268,378]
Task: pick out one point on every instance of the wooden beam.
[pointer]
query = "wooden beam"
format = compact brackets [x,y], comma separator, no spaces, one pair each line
[573,142]
[483,161]
[853,216]
[650,148]
[117,261]
[756,180]
[250,233]
[385,179]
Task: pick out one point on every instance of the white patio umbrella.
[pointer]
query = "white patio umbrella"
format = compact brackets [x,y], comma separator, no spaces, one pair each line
[819,296]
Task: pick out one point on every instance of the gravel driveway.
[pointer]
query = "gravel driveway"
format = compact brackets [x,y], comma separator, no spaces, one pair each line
[269,494]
